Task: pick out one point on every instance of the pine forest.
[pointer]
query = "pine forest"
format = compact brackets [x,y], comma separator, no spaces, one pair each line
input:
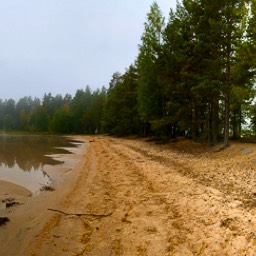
[194,76]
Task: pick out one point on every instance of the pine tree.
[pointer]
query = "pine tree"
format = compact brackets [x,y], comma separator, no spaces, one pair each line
[150,91]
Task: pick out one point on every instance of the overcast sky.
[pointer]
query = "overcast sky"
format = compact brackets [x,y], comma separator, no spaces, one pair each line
[60,46]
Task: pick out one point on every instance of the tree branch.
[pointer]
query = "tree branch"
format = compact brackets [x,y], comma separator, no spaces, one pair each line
[92,215]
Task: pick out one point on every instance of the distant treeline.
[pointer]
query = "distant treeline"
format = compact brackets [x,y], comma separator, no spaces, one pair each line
[193,76]
[55,114]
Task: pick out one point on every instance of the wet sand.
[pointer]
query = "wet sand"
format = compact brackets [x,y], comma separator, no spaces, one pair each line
[30,214]
[131,197]
[9,189]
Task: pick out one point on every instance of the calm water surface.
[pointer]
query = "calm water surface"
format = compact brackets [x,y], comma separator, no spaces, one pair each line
[22,158]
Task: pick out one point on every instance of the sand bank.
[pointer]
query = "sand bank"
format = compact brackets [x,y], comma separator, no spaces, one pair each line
[130,197]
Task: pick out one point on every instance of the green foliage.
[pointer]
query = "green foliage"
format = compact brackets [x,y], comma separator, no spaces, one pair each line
[120,108]
[61,120]
[80,114]
[150,89]
[39,120]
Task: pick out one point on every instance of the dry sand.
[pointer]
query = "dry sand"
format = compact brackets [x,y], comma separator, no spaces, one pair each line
[131,197]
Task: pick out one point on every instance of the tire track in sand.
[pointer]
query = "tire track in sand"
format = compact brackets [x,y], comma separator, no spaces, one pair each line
[155,210]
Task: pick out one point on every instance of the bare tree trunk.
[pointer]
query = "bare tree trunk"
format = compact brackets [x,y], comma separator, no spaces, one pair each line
[215,121]
[226,120]
[193,128]
[209,130]
[227,90]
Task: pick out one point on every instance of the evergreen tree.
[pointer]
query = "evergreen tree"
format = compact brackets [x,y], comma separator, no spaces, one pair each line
[150,89]
[120,108]
[39,120]
[61,120]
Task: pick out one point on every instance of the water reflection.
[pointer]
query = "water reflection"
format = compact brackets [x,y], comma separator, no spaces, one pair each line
[19,154]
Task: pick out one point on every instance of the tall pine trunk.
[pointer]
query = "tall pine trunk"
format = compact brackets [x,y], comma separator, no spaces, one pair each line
[227,87]
[226,120]
[210,122]
[215,121]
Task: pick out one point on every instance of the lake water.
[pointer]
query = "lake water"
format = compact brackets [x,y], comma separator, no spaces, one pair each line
[22,158]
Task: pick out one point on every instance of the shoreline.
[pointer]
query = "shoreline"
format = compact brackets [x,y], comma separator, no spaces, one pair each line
[10,189]
[131,197]
[29,213]
[54,172]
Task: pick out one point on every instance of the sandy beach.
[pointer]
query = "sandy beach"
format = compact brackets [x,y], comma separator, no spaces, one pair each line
[132,197]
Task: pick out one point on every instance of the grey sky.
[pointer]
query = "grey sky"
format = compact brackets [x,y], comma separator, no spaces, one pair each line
[60,46]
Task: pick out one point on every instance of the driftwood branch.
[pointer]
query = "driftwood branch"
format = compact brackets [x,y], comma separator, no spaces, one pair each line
[90,215]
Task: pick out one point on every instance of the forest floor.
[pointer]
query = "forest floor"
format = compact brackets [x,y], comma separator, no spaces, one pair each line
[136,198]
